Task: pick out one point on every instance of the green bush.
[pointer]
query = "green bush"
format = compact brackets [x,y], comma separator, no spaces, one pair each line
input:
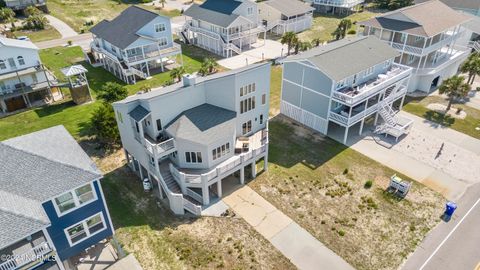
[341,233]
[368,184]
[351,32]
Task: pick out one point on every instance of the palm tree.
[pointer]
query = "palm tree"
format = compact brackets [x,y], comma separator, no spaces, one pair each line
[289,38]
[454,87]
[305,46]
[342,28]
[163,2]
[316,42]
[7,15]
[472,67]
[209,65]
[177,73]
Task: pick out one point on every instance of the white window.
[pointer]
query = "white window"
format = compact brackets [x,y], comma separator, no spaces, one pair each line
[247,104]
[221,151]
[21,61]
[411,58]
[193,157]
[2,64]
[85,229]
[247,89]
[264,99]
[369,71]
[71,200]
[160,27]
[162,41]
[250,11]
[246,127]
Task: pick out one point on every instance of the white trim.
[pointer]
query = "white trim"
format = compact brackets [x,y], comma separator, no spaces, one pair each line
[106,206]
[322,94]
[75,200]
[85,228]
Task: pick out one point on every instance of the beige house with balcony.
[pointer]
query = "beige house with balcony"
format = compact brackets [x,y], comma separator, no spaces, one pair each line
[427,37]
[342,85]
[188,138]
[281,16]
[135,45]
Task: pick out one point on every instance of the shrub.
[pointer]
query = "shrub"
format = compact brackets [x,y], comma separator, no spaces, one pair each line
[459,110]
[70,43]
[368,184]
[351,32]
[345,171]
[341,233]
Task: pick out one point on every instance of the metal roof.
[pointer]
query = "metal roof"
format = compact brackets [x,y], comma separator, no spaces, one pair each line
[122,31]
[10,42]
[208,15]
[73,70]
[205,123]
[139,113]
[346,57]
[290,8]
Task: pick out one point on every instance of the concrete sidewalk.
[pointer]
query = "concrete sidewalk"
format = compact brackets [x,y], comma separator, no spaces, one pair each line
[64,29]
[294,242]
[441,158]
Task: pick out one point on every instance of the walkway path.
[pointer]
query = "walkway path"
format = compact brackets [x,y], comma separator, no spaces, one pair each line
[64,29]
[441,158]
[295,243]
[82,40]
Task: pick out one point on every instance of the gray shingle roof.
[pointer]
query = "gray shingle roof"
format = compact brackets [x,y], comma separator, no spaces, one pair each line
[35,168]
[349,56]
[139,113]
[208,15]
[205,123]
[463,4]
[122,31]
[290,8]
[15,227]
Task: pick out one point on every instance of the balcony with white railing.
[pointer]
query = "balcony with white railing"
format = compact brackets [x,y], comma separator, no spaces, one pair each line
[198,178]
[339,3]
[156,53]
[357,94]
[444,59]
[29,256]
[161,147]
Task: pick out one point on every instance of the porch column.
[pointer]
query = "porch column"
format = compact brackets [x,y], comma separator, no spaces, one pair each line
[148,68]
[254,169]
[401,103]
[265,159]
[205,195]
[345,135]
[219,188]
[160,189]
[361,126]
[141,171]
[242,175]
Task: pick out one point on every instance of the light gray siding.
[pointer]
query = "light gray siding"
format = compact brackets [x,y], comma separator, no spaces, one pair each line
[315,103]
[291,93]
[317,81]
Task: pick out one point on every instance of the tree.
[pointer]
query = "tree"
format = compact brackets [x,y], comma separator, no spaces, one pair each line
[7,15]
[291,39]
[472,67]
[454,87]
[316,42]
[104,124]
[112,92]
[342,29]
[396,4]
[303,46]
[35,22]
[163,2]
[31,11]
[209,65]
[177,73]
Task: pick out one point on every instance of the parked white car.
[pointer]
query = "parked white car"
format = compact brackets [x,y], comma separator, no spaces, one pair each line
[147,186]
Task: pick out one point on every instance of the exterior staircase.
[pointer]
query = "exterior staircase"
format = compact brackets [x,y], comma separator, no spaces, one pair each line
[169,180]
[387,113]
[475,45]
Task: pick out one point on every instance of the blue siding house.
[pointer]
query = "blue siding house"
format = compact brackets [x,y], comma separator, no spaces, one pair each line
[51,201]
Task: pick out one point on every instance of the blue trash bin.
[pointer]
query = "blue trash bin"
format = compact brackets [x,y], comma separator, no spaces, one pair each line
[450,207]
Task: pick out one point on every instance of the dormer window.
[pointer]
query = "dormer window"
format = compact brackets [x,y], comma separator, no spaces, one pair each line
[21,61]
[2,64]
[160,27]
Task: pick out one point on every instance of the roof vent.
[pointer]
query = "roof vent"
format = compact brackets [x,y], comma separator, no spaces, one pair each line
[189,79]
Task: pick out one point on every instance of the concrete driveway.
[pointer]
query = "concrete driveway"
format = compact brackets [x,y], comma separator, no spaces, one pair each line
[441,158]
[294,242]
[64,29]
[262,50]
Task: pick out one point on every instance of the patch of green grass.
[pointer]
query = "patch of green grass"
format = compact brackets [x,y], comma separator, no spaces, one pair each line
[275,89]
[418,106]
[325,24]
[36,36]
[76,13]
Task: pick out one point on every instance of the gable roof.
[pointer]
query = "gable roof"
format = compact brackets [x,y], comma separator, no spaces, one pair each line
[290,8]
[205,123]
[122,31]
[348,56]
[222,6]
[425,19]
[35,168]
[10,42]
[211,16]
[139,113]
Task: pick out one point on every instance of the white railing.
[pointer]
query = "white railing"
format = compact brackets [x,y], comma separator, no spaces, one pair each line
[397,73]
[246,33]
[192,208]
[161,148]
[194,195]
[155,53]
[175,199]
[440,64]
[32,255]
[338,3]
[424,50]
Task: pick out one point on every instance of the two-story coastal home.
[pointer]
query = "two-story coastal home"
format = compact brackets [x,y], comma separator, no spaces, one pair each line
[136,44]
[336,6]
[340,85]
[223,27]
[280,16]
[23,4]
[188,137]
[51,201]
[24,81]
[427,37]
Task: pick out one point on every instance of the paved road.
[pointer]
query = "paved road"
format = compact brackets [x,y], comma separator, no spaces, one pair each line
[452,245]
[64,29]
[82,40]
[294,242]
